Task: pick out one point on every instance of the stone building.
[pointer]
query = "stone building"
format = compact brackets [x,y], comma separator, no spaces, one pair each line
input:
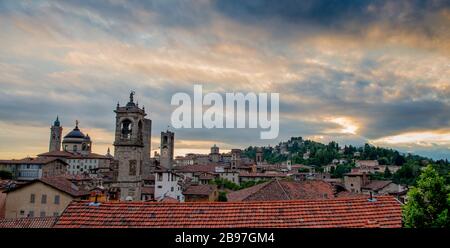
[214,156]
[235,158]
[259,156]
[55,136]
[131,148]
[167,149]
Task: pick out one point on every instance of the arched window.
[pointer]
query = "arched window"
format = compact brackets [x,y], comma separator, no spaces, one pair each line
[126,129]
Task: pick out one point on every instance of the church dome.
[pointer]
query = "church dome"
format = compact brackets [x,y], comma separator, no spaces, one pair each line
[75,133]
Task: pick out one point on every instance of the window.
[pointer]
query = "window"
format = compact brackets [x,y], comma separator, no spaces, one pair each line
[74,148]
[159,187]
[171,189]
[126,129]
[42,214]
[56,199]
[351,184]
[32,198]
[31,214]
[44,199]
[22,212]
[132,171]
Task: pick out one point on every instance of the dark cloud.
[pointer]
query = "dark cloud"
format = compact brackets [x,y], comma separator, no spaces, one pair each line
[346,15]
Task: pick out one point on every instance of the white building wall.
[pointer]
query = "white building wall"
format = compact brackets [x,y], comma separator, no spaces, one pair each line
[166,184]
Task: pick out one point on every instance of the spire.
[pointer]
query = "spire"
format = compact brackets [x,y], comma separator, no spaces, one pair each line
[76,124]
[56,123]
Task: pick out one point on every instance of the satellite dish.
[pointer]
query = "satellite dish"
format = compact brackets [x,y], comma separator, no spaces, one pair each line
[129,198]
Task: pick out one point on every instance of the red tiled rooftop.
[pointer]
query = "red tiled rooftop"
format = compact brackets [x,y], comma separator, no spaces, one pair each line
[377,184]
[284,190]
[339,212]
[59,183]
[38,222]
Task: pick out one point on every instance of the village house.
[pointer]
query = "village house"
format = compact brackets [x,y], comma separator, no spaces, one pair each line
[41,197]
[203,192]
[28,169]
[245,176]
[168,184]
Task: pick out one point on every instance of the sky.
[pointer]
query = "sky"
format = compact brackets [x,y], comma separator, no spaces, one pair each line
[355,72]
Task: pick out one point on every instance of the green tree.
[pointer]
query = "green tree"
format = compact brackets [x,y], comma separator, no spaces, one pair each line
[429,203]
[223,196]
[5,174]
[387,173]
[408,173]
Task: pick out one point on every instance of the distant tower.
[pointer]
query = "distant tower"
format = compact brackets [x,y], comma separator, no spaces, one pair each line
[132,139]
[235,158]
[214,155]
[167,148]
[259,155]
[55,136]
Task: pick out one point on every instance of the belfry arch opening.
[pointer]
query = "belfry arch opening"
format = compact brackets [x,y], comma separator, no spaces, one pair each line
[126,128]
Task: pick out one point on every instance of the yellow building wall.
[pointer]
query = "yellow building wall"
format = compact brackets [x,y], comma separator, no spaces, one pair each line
[19,199]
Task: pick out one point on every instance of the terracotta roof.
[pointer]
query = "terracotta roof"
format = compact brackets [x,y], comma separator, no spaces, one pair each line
[197,168]
[385,212]
[59,183]
[64,154]
[168,199]
[257,174]
[8,184]
[38,160]
[90,155]
[38,222]
[55,154]
[150,190]
[204,189]
[284,190]
[206,176]
[377,184]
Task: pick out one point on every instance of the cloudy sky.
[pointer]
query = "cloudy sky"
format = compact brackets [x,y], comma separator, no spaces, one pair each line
[350,71]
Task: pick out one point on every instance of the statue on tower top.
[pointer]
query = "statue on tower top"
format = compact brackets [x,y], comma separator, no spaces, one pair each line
[132,93]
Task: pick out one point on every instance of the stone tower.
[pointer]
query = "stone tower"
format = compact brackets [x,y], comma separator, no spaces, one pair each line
[131,148]
[235,158]
[259,155]
[214,156]
[167,148]
[55,136]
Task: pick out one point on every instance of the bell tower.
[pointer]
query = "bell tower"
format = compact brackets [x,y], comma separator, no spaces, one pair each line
[131,148]
[167,148]
[55,136]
